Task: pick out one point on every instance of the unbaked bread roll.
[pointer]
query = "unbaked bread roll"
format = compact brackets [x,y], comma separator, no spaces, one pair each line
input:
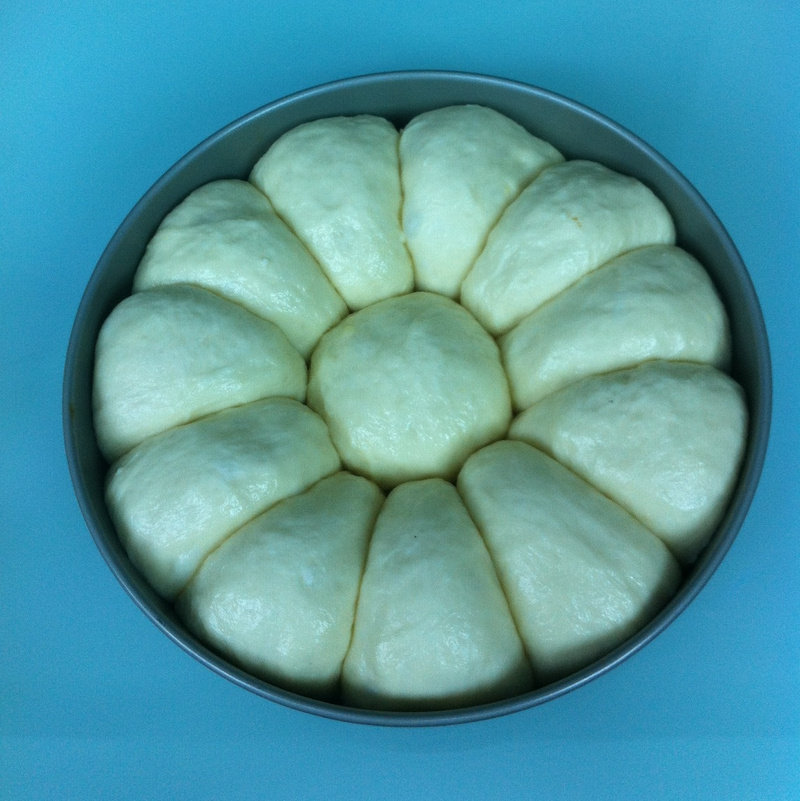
[337,182]
[432,628]
[655,302]
[278,596]
[409,388]
[574,217]
[664,439]
[460,167]
[580,573]
[177,495]
[169,355]
[225,236]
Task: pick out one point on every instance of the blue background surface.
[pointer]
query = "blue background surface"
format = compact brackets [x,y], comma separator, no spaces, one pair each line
[98,100]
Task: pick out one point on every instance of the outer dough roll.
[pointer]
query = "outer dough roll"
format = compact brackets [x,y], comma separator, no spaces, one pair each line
[169,355]
[279,595]
[664,439]
[176,496]
[580,573]
[227,238]
[654,302]
[337,183]
[432,626]
[574,217]
[460,166]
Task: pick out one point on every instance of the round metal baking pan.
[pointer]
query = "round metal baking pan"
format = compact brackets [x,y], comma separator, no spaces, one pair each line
[578,132]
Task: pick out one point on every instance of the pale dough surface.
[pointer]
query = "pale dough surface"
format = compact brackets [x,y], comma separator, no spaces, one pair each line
[169,355]
[433,628]
[664,439]
[655,302]
[177,495]
[279,595]
[337,183]
[572,218]
[491,567]
[409,388]
[460,166]
[226,237]
[580,573]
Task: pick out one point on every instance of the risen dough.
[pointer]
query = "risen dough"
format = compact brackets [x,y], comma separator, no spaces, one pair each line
[238,507]
[177,495]
[664,439]
[279,595]
[655,302]
[226,237]
[460,167]
[337,183]
[432,626]
[580,573]
[409,388]
[170,355]
[574,217]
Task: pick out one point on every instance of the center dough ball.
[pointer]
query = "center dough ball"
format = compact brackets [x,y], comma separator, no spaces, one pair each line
[409,387]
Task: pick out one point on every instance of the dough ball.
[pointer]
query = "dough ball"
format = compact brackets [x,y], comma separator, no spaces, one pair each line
[170,355]
[409,388]
[177,495]
[337,183]
[655,302]
[574,217]
[278,597]
[227,238]
[460,167]
[432,629]
[580,573]
[664,439]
